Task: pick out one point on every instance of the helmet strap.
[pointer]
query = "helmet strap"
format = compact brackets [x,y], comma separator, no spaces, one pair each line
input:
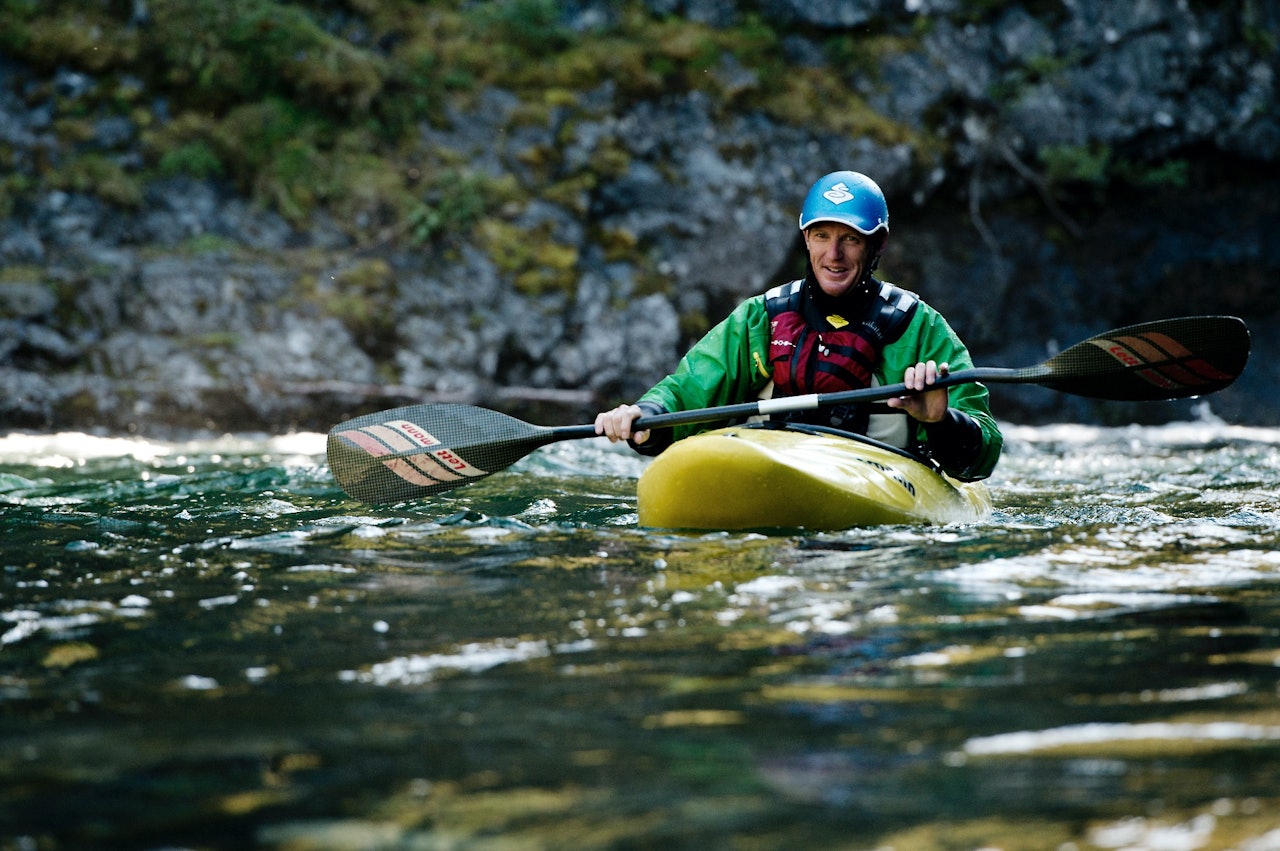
[882,239]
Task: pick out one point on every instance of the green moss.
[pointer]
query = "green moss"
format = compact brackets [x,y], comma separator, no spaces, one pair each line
[573,193]
[95,174]
[212,340]
[1036,70]
[20,274]
[536,264]
[610,160]
[552,268]
[851,55]
[1076,163]
[12,184]
[77,130]
[454,201]
[755,43]
[273,146]
[817,99]
[275,97]
[81,34]
[531,27]
[369,277]
[1261,40]
[649,281]
[289,158]
[618,243]
[1170,174]
[413,91]
[15,30]
[235,50]
[360,296]
[207,243]
[358,184]
[195,159]
[642,57]
[1096,165]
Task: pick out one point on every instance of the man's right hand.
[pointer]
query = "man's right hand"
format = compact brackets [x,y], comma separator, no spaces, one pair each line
[616,424]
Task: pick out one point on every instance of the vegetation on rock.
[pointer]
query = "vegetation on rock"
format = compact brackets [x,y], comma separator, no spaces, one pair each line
[317,104]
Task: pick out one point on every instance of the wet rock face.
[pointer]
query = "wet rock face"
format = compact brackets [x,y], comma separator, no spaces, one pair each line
[195,308]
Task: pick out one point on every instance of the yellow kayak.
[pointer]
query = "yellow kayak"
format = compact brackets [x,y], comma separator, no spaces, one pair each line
[752,477]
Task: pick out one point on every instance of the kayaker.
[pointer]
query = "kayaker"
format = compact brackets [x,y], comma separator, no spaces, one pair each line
[839,328]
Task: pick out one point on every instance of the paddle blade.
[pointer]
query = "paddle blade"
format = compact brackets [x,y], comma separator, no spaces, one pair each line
[1165,359]
[419,450]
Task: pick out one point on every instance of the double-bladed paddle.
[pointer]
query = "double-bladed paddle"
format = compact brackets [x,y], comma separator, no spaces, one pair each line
[419,450]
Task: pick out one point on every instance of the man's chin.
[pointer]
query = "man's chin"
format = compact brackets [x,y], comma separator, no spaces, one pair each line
[835,287]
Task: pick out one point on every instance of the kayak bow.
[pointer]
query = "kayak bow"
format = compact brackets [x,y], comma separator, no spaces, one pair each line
[753,477]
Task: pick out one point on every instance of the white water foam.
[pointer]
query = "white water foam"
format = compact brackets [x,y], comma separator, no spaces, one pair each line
[72,449]
[1030,741]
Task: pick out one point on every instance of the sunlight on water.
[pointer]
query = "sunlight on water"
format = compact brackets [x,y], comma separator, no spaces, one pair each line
[69,450]
[207,644]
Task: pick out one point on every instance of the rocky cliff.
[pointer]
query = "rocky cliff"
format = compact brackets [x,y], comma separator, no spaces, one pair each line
[548,239]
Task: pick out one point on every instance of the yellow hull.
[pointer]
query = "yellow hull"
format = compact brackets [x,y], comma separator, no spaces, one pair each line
[761,478]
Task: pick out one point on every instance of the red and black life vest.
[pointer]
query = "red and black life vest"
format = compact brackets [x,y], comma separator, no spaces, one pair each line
[813,353]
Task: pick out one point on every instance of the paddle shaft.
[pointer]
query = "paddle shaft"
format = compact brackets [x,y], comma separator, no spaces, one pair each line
[419,450]
[812,401]
[789,404]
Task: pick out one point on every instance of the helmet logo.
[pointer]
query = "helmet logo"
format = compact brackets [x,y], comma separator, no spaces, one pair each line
[838,194]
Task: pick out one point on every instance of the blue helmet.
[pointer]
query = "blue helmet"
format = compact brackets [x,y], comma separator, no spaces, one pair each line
[847,197]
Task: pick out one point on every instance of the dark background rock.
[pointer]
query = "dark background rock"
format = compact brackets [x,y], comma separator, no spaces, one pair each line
[199,309]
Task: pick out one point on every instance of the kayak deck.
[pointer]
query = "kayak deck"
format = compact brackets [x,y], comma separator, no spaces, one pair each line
[752,477]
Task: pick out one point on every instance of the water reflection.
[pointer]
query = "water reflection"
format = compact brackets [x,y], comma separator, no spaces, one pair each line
[207,645]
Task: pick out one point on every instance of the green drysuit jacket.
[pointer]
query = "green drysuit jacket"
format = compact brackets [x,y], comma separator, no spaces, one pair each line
[730,364]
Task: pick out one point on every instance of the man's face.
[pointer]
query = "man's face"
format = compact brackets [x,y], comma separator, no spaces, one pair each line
[839,255]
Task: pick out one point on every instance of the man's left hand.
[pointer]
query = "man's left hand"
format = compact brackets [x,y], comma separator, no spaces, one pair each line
[928,406]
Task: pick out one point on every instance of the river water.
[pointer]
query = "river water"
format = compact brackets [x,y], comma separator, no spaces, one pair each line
[207,645]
